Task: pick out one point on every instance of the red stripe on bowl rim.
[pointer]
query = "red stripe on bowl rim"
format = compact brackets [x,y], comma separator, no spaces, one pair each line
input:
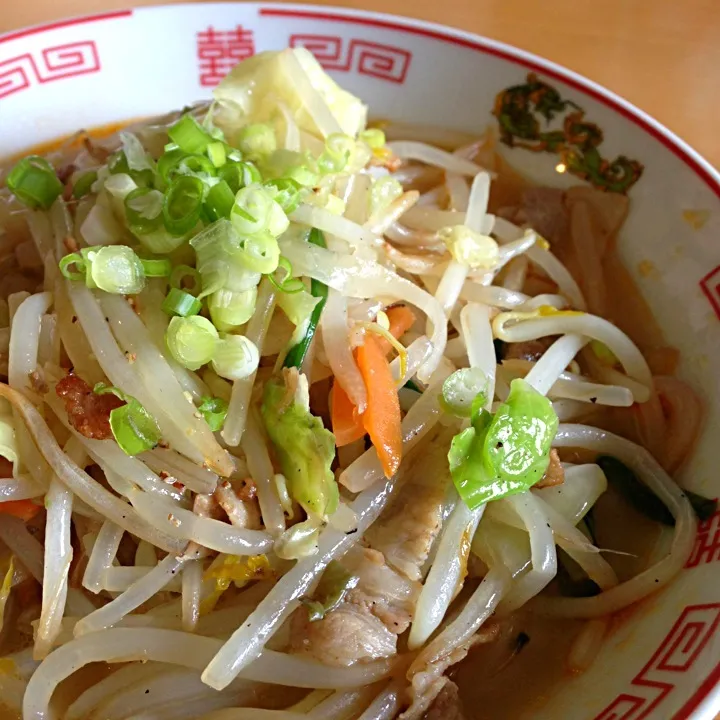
[82,20]
[528,60]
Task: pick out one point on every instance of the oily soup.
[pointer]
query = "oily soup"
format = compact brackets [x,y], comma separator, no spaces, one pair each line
[298,412]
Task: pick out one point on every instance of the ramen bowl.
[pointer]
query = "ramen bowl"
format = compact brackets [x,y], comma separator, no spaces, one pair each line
[661,660]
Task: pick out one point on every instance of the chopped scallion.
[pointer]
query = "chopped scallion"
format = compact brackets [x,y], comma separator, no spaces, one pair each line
[216,153]
[235,357]
[189,135]
[180,275]
[34,183]
[83,184]
[192,340]
[287,284]
[214,410]
[220,200]
[182,206]
[143,210]
[156,268]
[180,303]
[297,353]
[133,428]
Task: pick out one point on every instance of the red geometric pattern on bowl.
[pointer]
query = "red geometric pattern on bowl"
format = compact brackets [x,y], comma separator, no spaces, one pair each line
[364,57]
[218,51]
[676,655]
[51,63]
[707,542]
[710,285]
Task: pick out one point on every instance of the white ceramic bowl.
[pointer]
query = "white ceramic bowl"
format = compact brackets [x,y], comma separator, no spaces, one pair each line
[664,662]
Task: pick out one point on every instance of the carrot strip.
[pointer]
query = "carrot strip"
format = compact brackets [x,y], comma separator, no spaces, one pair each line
[346,423]
[382,415]
[23,509]
[401,319]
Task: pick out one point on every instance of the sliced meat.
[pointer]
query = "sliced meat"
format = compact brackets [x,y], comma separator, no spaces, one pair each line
[366,624]
[343,637]
[88,412]
[447,705]
[554,475]
[381,591]
[426,674]
[406,531]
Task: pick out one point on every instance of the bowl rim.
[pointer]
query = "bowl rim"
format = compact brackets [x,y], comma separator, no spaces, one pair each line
[704,702]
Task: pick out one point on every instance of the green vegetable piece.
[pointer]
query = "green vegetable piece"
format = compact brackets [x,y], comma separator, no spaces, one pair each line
[214,410]
[636,493]
[506,453]
[34,183]
[180,303]
[189,135]
[297,353]
[304,448]
[83,185]
[133,428]
[334,585]
[461,389]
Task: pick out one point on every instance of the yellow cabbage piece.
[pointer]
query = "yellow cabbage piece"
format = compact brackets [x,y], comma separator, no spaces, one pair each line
[257,84]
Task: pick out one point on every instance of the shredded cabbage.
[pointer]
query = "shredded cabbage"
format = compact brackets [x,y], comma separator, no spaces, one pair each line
[259,84]
[504,453]
[304,447]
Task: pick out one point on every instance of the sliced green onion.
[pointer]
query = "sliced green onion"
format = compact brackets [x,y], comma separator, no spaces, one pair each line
[287,284]
[214,410]
[257,140]
[34,183]
[179,276]
[338,149]
[182,206]
[196,165]
[297,353]
[220,200]
[235,357]
[118,163]
[143,210]
[180,303]
[84,183]
[216,153]
[230,309]
[68,261]
[133,428]
[116,269]
[288,193]
[156,268]
[461,389]
[260,253]
[168,162]
[373,137]
[189,135]
[192,341]
[239,175]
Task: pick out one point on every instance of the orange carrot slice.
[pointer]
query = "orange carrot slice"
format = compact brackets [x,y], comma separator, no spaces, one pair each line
[382,415]
[23,509]
[346,423]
